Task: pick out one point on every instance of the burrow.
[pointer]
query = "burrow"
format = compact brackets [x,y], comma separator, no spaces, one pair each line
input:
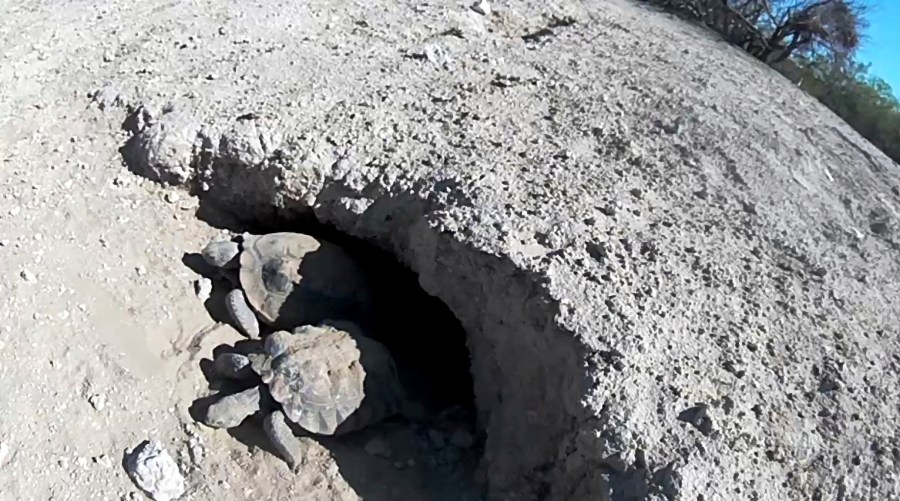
[480,328]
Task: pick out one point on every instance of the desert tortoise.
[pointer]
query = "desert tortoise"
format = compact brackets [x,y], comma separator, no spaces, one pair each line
[288,279]
[328,379]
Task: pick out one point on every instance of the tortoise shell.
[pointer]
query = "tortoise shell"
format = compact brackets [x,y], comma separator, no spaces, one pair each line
[328,380]
[292,279]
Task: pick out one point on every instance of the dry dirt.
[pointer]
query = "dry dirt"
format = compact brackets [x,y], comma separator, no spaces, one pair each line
[102,331]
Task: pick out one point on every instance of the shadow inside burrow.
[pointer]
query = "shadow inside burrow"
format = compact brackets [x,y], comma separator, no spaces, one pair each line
[428,344]
[427,340]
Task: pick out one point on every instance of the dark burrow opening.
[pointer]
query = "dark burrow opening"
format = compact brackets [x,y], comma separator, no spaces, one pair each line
[428,344]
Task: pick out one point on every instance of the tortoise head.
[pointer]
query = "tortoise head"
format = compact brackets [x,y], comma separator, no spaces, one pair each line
[277,343]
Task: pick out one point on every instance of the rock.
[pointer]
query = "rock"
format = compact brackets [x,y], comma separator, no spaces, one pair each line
[4,453]
[377,446]
[27,276]
[107,97]
[482,7]
[97,401]
[163,150]
[102,460]
[698,417]
[154,471]
[203,287]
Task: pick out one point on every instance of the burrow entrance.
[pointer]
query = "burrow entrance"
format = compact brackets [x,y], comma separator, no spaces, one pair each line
[427,340]
[539,435]
[429,346]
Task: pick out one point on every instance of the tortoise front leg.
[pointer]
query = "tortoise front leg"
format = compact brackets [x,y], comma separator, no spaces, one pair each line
[283,439]
[241,313]
[231,410]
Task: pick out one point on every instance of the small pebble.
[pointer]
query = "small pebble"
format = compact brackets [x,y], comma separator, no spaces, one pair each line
[102,460]
[203,288]
[27,276]
[141,271]
[153,470]
[98,402]
[482,8]
[172,197]
[4,453]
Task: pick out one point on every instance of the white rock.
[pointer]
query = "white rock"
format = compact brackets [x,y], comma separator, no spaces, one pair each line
[98,402]
[203,288]
[103,461]
[438,55]
[155,472]
[27,276]
[4,453]
[482,8]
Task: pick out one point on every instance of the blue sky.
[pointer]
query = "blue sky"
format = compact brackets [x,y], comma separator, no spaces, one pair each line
[881,46]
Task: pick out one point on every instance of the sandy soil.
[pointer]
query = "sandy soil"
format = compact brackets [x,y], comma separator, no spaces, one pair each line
[102,332]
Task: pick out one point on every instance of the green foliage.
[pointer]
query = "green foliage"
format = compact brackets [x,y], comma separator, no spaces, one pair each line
[812,42]
[845,86]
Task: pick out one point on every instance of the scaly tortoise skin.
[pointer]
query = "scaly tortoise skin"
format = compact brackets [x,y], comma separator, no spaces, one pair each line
[288,279]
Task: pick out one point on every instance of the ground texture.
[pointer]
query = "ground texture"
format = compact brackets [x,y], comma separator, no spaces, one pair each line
[677,272]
